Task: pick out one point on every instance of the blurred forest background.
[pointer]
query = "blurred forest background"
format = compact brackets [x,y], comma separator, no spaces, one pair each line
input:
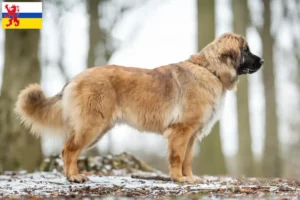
[259,131]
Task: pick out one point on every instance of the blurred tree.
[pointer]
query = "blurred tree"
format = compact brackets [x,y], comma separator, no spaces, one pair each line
[245,156]
[18,148]
[291,16]
[211,159]
[98,54]
[271,157]
[294,148]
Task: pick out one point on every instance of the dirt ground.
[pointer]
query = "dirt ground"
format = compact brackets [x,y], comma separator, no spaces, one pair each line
[43,185]
[124,176]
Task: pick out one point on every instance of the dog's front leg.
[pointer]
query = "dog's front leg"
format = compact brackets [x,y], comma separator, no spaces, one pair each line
[187,163]
[178,138]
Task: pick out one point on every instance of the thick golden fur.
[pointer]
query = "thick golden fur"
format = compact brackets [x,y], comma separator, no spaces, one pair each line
[178,100]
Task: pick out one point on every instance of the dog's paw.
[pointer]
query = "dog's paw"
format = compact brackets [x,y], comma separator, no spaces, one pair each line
[194,179]
[183,179]
[79,178]
[188,179]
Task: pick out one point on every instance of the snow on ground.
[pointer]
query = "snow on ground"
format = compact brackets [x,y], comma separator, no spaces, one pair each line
[54,184]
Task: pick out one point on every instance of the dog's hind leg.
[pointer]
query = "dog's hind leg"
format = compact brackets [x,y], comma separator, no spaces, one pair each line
[70,154]
[89,108]
[97,138]
[72,149]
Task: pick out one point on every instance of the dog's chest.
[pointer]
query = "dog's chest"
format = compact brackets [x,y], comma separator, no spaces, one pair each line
[211,116]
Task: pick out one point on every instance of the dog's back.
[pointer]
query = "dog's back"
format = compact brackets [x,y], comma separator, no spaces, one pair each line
[99,97]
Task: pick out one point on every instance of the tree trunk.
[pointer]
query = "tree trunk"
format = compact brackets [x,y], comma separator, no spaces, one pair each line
[271,159]
[211,159]
[245,155]
[19,149]
[97,55]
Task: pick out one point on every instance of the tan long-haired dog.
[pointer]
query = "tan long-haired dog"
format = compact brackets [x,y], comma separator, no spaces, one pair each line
[180,101]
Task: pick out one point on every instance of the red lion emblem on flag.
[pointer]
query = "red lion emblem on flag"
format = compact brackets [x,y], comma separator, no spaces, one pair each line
[12,13]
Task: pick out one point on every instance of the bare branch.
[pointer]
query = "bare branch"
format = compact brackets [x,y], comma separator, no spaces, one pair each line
[152,177]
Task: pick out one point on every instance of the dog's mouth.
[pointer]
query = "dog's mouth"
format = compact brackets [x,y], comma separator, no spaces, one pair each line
[250,70]
[247,71]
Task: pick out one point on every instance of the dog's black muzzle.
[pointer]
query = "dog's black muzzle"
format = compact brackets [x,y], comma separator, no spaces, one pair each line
[250,64]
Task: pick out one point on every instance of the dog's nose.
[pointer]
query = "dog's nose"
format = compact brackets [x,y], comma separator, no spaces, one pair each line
[261,61]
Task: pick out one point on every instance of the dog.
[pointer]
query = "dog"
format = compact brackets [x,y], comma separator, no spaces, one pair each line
[180,101]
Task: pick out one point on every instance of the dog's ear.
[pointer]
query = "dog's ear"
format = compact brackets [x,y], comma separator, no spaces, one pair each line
[229,54]
[232,50]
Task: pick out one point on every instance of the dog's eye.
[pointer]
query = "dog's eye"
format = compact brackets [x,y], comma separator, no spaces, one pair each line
[246,49]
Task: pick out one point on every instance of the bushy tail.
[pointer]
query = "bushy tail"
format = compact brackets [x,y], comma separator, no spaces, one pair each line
[38,112]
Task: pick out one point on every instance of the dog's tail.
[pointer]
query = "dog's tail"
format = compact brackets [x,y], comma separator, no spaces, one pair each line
[38,112]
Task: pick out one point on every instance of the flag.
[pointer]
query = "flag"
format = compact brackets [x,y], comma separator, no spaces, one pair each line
[22,15]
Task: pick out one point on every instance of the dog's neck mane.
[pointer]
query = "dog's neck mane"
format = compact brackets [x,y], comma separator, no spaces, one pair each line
[228,80]
[200,60]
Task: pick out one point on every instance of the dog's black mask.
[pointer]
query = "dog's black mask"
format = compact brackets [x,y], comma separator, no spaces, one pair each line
[250,63]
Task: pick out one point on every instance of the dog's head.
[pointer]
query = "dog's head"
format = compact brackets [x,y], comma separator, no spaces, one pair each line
[234,51]
[228,56]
